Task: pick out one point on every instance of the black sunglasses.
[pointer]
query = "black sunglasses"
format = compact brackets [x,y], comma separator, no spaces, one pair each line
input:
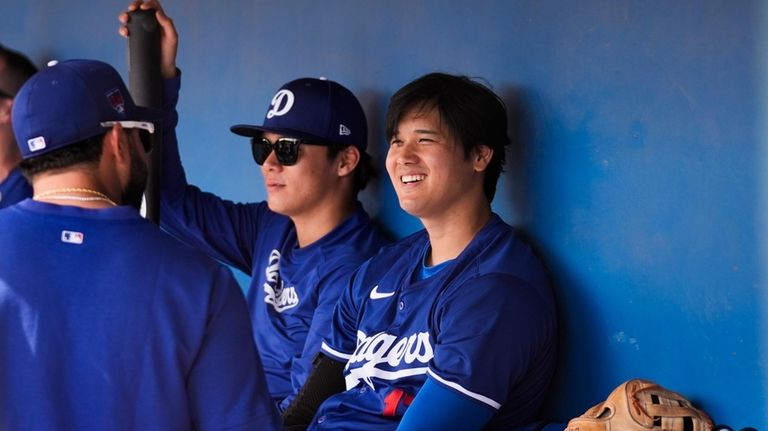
[146,140]
[286,150]
[145,128]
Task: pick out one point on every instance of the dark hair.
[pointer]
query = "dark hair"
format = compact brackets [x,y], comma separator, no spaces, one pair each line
[85,151]
[364,171]
[15,69]
[472,112]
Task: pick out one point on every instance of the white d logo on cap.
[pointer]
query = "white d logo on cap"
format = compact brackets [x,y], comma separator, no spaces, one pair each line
[281,103]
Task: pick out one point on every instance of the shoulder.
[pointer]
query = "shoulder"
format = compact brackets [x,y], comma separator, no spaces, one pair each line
[499,249]
[169,255]
[353,242]
[498,270]
[391,263]
[400,252]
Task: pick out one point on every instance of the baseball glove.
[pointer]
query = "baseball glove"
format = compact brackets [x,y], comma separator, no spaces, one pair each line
[642,405]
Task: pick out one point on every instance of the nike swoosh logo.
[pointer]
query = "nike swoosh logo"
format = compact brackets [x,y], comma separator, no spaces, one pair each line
[375,294]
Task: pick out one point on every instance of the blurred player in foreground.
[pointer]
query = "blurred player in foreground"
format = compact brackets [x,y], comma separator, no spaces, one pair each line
[106,322]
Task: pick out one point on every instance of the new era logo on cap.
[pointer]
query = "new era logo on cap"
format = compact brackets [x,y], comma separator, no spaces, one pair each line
[344,130]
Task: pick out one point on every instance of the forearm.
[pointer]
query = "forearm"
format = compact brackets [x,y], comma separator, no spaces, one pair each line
[326,379]
[438,408]
[202,220]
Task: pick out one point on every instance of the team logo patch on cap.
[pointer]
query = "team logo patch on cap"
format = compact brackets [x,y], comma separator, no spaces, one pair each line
[115,98]
[281,103]
[72,237]
[36,144]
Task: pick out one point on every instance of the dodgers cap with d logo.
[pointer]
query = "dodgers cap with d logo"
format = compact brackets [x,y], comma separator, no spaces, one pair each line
[67,102]
[318,110]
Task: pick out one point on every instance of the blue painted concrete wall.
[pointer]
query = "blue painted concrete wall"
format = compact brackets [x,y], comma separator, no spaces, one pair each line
[639,159]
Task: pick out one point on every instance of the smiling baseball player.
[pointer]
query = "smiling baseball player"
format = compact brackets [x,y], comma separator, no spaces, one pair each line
[452,328]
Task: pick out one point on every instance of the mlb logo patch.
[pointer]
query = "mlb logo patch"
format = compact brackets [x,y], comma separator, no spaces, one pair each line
[36,144]
[115,98]
[72,237]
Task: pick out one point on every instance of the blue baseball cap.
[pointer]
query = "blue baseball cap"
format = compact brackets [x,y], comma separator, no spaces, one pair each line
[318,110]
[68,102]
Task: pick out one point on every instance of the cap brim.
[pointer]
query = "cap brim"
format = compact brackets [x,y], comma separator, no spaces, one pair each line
[148,114]
[256,131]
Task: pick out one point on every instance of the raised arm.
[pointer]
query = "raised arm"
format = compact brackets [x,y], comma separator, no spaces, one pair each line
[222,229]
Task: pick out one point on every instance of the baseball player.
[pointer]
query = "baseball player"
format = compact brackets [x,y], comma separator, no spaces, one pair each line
[452,328]
[15,68]
[303,243]
[106,322]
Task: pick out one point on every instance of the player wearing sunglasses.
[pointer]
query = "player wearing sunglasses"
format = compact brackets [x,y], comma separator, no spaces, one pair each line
[301,245]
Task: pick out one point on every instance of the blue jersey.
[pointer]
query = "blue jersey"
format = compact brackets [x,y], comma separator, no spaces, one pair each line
[293,290]
[14,188]
[107,323]
[484,327]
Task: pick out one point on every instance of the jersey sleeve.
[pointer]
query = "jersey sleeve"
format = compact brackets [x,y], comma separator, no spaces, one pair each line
[226,384]
[341,342]
[222,229]
[489,332]
[436,407]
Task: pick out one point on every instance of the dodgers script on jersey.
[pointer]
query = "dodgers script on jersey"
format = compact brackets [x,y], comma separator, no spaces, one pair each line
[484,327]
[293,290]
[276,293]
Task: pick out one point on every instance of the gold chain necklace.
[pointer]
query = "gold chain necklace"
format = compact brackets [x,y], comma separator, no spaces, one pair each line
[56,194]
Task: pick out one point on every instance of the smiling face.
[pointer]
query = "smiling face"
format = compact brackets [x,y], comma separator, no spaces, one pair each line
[300,189]
[428,168]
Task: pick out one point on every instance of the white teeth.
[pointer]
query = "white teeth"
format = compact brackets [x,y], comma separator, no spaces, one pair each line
[411,178]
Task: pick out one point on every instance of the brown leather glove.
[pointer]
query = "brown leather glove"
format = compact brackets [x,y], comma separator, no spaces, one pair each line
[644,406]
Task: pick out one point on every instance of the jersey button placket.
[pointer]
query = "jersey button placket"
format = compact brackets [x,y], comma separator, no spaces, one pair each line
[399,316]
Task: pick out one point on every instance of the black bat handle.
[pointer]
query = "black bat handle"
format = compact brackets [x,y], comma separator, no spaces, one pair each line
[145,81]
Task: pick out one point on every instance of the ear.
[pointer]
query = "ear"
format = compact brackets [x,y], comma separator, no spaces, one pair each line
[115,145]
[348,159]
[114,165]
[481,157]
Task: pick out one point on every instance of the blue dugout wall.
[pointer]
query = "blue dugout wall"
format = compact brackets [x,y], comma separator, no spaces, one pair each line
[640,156]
